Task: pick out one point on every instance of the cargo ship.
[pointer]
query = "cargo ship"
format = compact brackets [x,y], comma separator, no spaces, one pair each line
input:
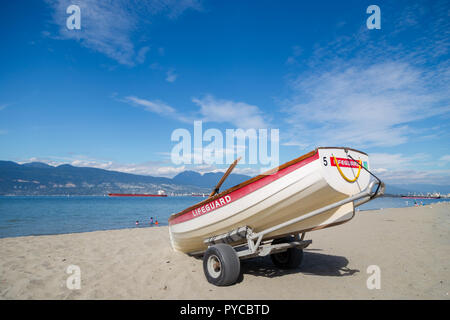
[435,195]
[421,197]
[135,195]
[160,193]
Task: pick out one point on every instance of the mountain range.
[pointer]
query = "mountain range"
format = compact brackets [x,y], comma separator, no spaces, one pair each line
[38,178]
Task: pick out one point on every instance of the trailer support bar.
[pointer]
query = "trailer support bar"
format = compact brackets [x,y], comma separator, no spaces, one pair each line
[254,239]
[261,234]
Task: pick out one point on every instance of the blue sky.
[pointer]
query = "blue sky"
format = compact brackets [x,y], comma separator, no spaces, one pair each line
[111,94]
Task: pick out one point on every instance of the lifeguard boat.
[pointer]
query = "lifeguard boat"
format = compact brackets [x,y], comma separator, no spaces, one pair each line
[270,213]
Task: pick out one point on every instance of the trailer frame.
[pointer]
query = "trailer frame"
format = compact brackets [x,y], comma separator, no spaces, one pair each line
[256,246]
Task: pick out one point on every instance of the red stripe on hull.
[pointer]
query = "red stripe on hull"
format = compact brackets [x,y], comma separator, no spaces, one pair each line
[239,193]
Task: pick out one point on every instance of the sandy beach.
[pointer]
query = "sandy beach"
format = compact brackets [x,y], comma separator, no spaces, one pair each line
[411,246]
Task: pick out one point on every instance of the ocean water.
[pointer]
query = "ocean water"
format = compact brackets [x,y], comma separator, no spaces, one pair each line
[391,202]
[41,215]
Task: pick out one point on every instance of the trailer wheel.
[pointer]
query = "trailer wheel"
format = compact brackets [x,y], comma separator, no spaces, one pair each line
[289,259]
[221,265]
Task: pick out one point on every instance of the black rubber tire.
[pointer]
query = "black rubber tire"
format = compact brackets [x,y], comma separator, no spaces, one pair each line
[230,266]
[290,259]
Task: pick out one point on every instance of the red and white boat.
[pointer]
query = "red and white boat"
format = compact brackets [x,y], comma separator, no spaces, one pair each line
[315,191]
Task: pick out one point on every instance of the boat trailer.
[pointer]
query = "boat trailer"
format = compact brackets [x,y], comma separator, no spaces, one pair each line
[221,261]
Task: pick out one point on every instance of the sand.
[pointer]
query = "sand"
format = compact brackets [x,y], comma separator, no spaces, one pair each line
[411,247]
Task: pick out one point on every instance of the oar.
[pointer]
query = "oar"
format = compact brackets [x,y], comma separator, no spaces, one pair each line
[216,189]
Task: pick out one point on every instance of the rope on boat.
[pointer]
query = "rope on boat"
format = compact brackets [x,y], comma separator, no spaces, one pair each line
[343,175]
[380,183]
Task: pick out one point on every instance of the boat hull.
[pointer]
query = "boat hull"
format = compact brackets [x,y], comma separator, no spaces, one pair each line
[295,189]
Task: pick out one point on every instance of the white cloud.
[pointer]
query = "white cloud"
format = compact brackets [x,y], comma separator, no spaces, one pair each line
[237,170]
[399,168]
[293,143]
[445,159]
[439,177]
[142,54]
[158,107]
[171,76]
[391,168]
[155,106]
[360,105]
[368,89]
[110,27]
[240,114]
[247,171]
[397,161]
[152,168]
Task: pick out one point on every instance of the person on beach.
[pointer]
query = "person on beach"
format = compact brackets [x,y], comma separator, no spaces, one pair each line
[156,222]
[151,220]
[137,222]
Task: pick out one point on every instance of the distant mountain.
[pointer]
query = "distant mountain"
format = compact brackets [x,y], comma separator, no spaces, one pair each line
[393,189]
[37,178]
[37,165]
[417,188]
[208,180]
